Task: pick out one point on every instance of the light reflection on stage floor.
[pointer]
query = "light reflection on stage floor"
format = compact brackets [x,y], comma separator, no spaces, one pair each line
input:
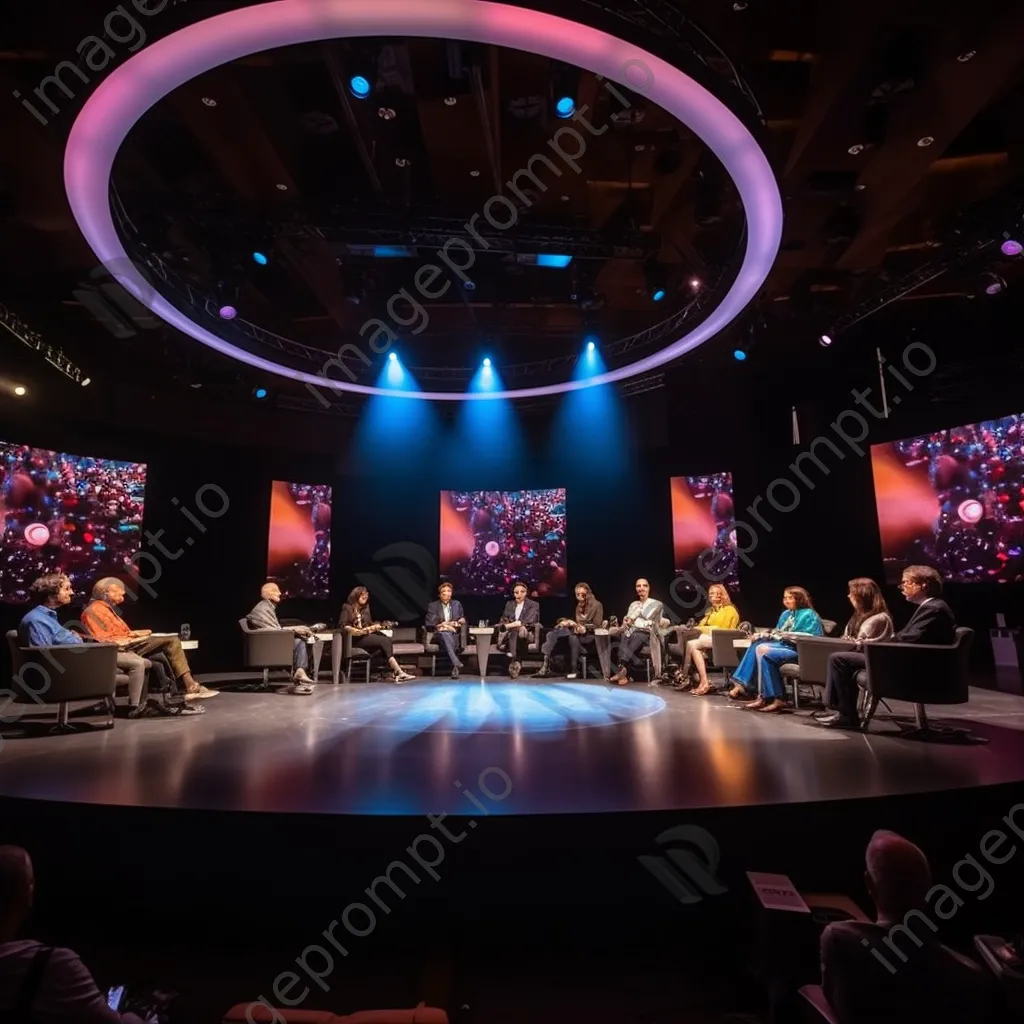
[566,747]
[496,707]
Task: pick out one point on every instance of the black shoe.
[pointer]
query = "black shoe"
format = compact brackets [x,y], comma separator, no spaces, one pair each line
[824,713]
[838,721]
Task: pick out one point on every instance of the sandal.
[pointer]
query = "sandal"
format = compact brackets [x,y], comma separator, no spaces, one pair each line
[402,677]
[754,705]
[701,691]
[774,708]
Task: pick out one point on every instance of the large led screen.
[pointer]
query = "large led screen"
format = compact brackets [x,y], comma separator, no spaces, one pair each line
[492,539]
[65,513]
[703,534]
[299,546]
[954,500]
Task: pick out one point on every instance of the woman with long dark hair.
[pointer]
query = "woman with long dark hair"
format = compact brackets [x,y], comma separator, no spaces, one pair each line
[357,619]
[871,619]
[579,630]
[769,652]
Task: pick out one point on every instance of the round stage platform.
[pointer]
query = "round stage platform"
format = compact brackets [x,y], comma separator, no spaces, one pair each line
[547,748]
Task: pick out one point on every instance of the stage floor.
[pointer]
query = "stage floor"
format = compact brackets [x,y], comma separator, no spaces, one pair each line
[538,748]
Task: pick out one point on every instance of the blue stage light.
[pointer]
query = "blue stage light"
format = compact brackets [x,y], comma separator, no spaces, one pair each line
[487,364]
[260,258]
[658,294]
[260,393]
[565,107]
[359,86]
[551,259]
[392,356]
[590,346]
[739,354]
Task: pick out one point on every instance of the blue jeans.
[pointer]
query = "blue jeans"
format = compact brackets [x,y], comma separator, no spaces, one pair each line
[763,660]
[449,643]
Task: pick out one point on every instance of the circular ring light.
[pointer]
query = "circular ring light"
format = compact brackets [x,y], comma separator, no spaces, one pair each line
[154,72]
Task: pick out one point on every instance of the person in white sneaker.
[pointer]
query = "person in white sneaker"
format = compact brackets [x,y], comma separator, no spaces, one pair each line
[264,616]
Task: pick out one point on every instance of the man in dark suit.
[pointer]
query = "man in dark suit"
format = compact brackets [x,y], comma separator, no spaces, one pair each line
[931,623]
[445,619]
[519,617]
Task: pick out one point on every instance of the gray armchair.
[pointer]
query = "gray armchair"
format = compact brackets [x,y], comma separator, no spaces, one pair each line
[266,649]
[62,675]
[350,654]
[921,674]
[433,648]
[811,667]
[723,648]
[404,644]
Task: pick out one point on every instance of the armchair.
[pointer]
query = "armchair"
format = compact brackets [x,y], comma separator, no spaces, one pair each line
[63,674]
[266,649]
[811,666]
[921,674]
[433,648]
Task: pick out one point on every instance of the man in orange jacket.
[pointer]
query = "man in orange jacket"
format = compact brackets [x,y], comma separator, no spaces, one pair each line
[103,620]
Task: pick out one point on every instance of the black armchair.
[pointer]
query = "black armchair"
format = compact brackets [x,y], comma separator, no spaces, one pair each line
[62,675]
[920,674]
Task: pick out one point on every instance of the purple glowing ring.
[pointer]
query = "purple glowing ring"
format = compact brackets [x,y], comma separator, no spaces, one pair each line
[157,70]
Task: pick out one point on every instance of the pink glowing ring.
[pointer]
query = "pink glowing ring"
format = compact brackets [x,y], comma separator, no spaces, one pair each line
[154,72]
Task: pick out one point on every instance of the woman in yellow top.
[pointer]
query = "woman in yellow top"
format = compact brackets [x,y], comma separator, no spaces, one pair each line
[721,615]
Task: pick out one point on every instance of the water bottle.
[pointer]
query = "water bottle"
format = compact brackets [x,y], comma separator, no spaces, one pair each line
[185,632]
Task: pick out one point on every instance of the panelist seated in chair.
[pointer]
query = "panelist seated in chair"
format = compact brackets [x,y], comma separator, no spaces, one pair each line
[722,614]
[264,616]
[579,630]
[895,969]
[102,618]
[445,619]
[931,623]
[521,614]
[40,628]
[357,619]
[639,628]
[768,652]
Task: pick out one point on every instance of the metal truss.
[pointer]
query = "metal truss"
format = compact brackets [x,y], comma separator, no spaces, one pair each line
[664,21]
[34,340]
[204,305]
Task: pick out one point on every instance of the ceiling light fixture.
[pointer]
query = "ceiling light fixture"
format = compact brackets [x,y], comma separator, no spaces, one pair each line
[450,101]
[209,101]
[925,141]
[401,161]
[565,106]
[117,104]
[695,284]
[856,148]
[967,55]
[282,187]
[474,174]
[1011,247]
[825,340]
[359,86]
[387,113]
[20,390]
[86,382]
[739,5]
[993,283]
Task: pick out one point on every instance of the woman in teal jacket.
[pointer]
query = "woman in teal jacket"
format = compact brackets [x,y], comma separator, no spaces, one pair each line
[768,652]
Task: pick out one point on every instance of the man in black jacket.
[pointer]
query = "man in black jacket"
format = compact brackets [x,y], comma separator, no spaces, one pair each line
[519,617]
[931,623]
[445,619]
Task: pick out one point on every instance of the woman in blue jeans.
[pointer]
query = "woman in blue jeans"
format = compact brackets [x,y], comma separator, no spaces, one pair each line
[769,651]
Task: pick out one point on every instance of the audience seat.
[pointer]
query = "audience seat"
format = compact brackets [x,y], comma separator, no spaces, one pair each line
[246,1013]
[266,649]
[920,674]
[64,674]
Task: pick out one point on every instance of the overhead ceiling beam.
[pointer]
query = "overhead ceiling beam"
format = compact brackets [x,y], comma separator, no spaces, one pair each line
[953,95]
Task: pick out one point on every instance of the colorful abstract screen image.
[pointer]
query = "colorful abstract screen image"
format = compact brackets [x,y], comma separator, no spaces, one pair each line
[954,500]
[299,546]
[703,519]
[492,539]
[66,513]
